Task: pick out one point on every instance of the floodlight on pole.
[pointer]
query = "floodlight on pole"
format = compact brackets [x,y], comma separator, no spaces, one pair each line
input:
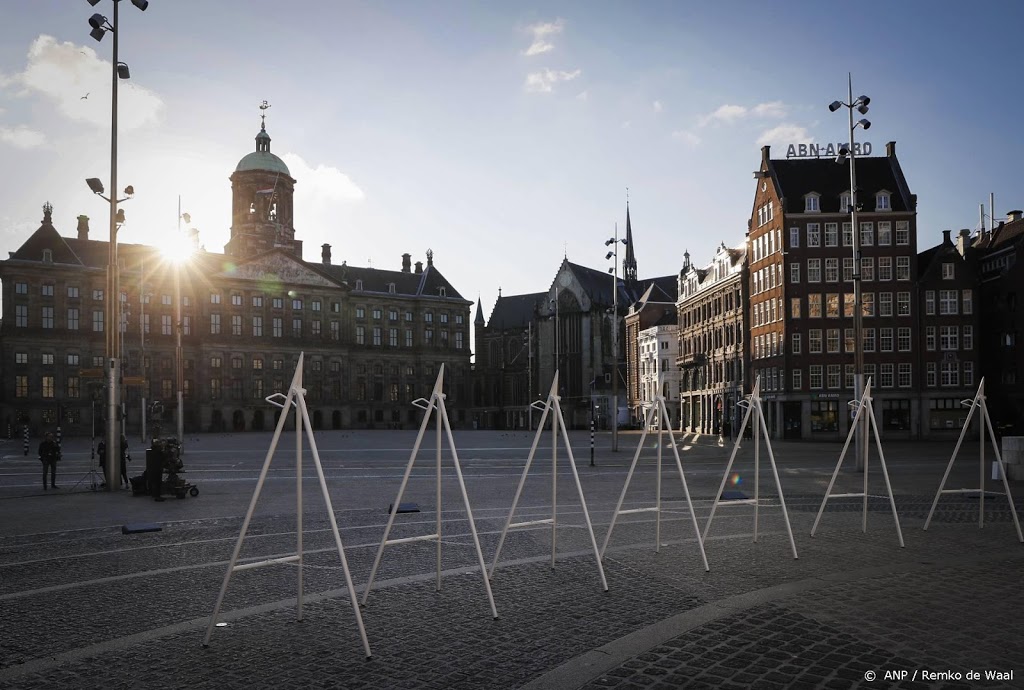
[95,185]
[614,271]
[850,151]
[101,25]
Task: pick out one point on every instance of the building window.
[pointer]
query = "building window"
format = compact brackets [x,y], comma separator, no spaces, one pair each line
[848,341]
[257,326]
[930,378]
[408,337]
[814,378]
[794,273]
[236,361]
[968,301]
[73,291]
[902,233]
[376,313]
[814,341]
[968,341]
[797,375]
[902,268]
[949,337]
[165,324]
[297,328]
[393,337]
[869,340]
[903,339]
[885,339]
[360,335]
[21,288]
[847,234]
[867,268]
[903,375]
[832,305]
[848,269]
[814,305]
[335,329]
[885,379]
[316,305]
[297,304]
[458,340]
[47,289]
[215,389]
[882,202]
[968,373]
[277,303]
[277,364]
[47,317]
[360,312]
[257,300]
[359,285]
[844,202]
[392,315]
[794,238]
[811,205]
[794,307]
[867,234]
[885,268]
[73,388]
[884,233]
[834,376]
[814,270]
[97,321]
[215,362]
[902,304]
[929,338]
[813,234]
[47,386]
[795,343]
[832,270]
[214,298]
[277,327]
[428,317]
[21,386]
[832,340]
[831,234]
[885,304]
[214,324]
[257,363]
[376,335]
[950,373]
[315,325]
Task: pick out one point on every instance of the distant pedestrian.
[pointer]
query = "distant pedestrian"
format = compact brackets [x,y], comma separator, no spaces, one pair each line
[124,463]
[101,454]
[49,454]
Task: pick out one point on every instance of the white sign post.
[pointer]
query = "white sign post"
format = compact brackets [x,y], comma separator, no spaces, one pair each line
[754,409]
[861,405]
[295,398]
[658,410]
[557,423]
[435,404]
[985,423]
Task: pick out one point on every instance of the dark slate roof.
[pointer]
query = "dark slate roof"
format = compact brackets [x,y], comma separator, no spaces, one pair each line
[668,318]
[427,283]
[596,283]
[515,311]
[798,177]
[1004,234]
[46,237]
[666,288]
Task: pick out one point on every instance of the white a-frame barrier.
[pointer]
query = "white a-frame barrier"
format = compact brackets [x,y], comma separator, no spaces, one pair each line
[863,406]
[754,409]
[985,424]
[295,398]
[435,404]
[551,405]
[659,411]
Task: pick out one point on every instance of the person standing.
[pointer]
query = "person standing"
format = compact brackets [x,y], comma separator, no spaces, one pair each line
[49,454]
[101,454]
[124,463]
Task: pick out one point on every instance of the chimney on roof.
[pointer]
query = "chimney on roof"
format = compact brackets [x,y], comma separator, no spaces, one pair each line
[1012,216]
[890,149]
[419,267]
[325,253]
[945,236]
[83,227]
[406,263]
[963,242]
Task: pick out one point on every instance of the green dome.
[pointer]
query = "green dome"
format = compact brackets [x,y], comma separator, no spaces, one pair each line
[262,160]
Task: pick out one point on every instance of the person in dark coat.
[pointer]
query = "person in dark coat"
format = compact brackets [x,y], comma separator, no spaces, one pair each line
[124,463]
[49,454]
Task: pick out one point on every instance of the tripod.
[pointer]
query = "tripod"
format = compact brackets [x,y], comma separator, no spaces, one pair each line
[92,475]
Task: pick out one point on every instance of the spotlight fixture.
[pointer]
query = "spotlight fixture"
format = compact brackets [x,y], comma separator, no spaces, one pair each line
[866,124]
[95,185]
[129,191]
[122,71]
[834,106]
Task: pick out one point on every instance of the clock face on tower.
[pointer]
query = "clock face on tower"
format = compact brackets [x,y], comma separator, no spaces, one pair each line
[565,279]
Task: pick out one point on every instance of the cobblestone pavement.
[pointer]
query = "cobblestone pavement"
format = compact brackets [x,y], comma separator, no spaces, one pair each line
[93,608]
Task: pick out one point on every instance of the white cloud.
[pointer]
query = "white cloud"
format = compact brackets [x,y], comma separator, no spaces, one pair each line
[74,79]
[687,137]
[658,107]
[541,32]
[627,125]
[545,80]
[728,114]
[582,96]
[322,184]
[22,137]
[773,109]
[784,134]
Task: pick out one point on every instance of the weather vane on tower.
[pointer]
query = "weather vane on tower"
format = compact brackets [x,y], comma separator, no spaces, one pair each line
[263,114]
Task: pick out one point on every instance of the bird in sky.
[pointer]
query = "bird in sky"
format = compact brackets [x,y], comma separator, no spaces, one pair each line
[85,96]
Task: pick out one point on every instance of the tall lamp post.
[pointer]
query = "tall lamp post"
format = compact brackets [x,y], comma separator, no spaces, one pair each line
[614,270]
[179,373]
[861,106]
[119,70]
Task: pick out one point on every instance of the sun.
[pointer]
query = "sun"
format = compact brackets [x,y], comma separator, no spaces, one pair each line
[176,249]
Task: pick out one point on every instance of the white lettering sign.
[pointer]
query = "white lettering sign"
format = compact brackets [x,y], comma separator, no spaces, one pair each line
[826,150]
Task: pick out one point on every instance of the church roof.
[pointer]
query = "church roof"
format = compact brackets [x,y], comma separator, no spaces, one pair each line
[515,311]
[262,160]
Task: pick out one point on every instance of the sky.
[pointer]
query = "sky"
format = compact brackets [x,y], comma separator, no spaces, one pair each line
[501,135]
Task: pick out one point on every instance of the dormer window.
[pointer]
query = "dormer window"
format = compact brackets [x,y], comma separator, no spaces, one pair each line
[883,201]
[442,292]
[811,204]
[47,256]
[844,202]
[359,285]
[391,288]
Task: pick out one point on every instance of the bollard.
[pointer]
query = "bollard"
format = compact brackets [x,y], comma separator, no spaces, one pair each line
[58,439]
[25,435]
[591,441]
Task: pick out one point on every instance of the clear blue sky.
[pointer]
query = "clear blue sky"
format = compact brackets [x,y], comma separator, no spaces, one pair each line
[501,135]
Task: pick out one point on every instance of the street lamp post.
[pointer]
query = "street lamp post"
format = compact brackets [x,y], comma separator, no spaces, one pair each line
[179,373]
[861,106]
[614,270]
[100,26]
